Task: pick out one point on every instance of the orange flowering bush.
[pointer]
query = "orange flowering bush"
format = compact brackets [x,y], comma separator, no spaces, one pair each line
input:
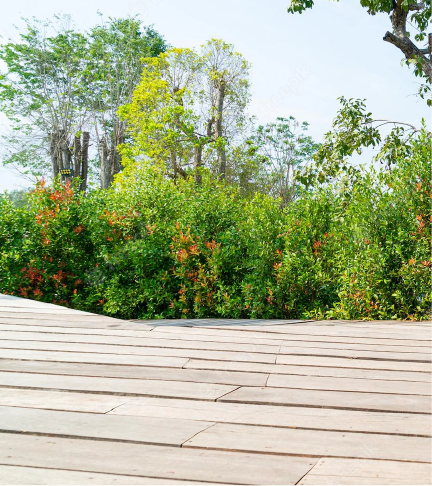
[153,248]
[46,255]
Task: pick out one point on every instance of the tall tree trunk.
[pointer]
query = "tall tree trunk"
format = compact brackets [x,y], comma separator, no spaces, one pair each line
[54,153]
[104,164]
[77,155]
[80,153]
[84,160]
[220,98]
[65,151]
[110,158]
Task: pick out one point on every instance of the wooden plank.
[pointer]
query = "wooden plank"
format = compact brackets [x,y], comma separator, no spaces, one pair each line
[142,372]
[154,339]
[76,330]
[310,370]
[35,475]
[315,361]
[416,335]
[382,347]
[116,386]
[242,323]
[312,443]
[365,471]
[274,416]
[146,430]
[80,322]
[337,480]
[354,363]
[349,481]
[348,384]
[119,359]
[138,351]
[189,334]
[307,333]
[297,340]
[331,399]
[151,461]
[357,353]
[147,341]
[60,400]
[46,309]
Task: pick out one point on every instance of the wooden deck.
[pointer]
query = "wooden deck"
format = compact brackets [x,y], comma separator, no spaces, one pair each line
[86,399]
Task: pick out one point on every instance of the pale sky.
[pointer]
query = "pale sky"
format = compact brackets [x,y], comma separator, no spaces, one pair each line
[300,63]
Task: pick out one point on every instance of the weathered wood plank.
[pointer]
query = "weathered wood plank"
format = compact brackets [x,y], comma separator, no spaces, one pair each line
[152,461]
[310,370]
[348,384]
[414,353]
[366,471]
[119,359]
[316,361]
[75,330]
[116,386]
[147,430]
[242,323]
[381,348]
[138,351]
[141,372]
[196,334]
[60,400]
[190,334]
[332,481]
[341,481]
[34,475]
[306,332]
[357,353]
[80,322]
[331,399]
[354,363]
[313,443]
[416,335]
[274,416]
[147,341]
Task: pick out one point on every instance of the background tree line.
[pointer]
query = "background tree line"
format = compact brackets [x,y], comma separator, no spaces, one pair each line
[118,93]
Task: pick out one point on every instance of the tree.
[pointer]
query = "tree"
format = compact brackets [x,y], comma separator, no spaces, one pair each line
[227,88]
[416,48]
[41,93]
[116,50]
[354,129]
[284,148]
[61,87]
[188,107]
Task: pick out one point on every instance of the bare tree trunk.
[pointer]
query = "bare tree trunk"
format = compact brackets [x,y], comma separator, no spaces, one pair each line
[54,153]
[77,155]
[65,152]
[109,157]
[104,164]
[84,160]
[80,158]
[219,126]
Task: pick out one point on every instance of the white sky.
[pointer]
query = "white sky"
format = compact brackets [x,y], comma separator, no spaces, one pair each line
[300,63]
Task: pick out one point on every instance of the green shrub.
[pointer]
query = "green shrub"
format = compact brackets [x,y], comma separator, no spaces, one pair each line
[153,248]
